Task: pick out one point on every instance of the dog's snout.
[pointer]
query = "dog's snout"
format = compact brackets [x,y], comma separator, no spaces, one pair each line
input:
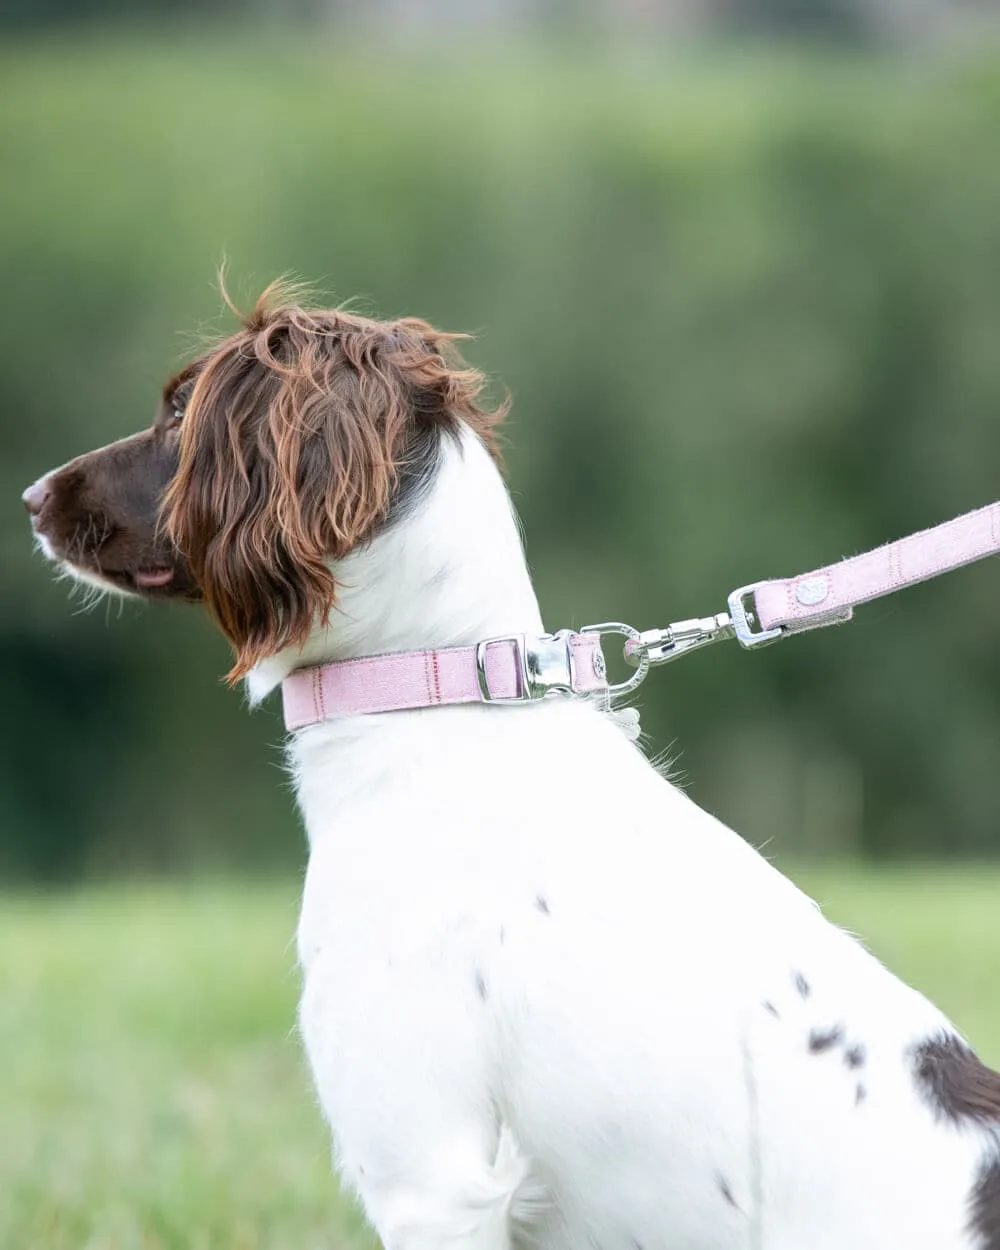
[35,496]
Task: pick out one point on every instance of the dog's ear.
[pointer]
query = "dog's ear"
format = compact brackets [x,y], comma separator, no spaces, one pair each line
[291,450]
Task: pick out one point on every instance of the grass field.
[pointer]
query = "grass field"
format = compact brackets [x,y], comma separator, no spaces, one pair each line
[152,1092]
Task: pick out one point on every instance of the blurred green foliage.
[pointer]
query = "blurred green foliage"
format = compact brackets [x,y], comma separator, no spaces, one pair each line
[747,307]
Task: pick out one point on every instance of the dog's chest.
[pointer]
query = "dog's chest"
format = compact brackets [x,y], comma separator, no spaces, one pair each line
[673,1035]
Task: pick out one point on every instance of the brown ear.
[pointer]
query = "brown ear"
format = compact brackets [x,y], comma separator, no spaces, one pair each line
[290,456]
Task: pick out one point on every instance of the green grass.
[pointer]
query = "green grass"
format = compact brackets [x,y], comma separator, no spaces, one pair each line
[153,1095]
[152,1092]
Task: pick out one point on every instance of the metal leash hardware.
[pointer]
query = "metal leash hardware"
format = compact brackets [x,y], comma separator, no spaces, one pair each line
[649,647]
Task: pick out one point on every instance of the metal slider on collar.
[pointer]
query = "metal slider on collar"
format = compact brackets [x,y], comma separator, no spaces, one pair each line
[544,666]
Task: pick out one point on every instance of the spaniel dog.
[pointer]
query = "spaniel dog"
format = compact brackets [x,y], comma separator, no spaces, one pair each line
[547,1001]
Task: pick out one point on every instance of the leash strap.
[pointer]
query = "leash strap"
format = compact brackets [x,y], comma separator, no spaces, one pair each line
[829,595]
[766,611]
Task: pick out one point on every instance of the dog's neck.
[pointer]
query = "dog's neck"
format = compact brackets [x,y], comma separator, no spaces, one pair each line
[448,571]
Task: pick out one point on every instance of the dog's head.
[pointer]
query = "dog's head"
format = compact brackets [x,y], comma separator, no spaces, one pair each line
[284,448]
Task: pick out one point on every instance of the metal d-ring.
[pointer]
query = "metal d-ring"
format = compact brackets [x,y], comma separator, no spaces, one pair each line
[639,657]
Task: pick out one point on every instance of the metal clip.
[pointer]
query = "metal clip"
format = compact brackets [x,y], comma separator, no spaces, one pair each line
[658,646]
[679,638]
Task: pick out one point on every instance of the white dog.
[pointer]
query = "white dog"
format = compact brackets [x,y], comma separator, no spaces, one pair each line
[548,1001]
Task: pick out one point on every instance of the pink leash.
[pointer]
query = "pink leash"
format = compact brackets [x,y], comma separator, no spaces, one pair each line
[523,669]
[828,596]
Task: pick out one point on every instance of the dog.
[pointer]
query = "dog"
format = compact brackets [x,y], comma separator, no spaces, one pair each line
[548,1002]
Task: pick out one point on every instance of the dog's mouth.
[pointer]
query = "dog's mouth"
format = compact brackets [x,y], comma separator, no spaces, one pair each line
[138,582]
[147,581]
[154,578]
[144,581]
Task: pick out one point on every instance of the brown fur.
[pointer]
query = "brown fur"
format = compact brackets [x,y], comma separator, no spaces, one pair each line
[281,448]
[295,438]
[958,1085]
[986,1206]
[961,1088]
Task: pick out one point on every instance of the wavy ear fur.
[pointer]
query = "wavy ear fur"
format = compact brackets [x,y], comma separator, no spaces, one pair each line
[297,435]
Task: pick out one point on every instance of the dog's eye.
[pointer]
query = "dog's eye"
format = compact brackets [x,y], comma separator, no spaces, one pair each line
[179,403]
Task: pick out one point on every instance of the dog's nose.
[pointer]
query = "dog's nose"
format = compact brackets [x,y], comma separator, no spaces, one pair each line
[35,496]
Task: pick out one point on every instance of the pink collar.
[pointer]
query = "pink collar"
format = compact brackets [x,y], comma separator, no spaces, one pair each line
[516,669]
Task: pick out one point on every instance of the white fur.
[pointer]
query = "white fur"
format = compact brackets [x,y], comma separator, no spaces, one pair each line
[547,1000]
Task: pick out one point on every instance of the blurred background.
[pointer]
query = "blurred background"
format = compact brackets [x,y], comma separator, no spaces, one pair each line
[738,262]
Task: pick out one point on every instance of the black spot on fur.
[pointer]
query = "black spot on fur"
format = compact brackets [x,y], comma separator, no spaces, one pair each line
[985,1206]
[802,986]
[726,1192]
[955,1082]
[854,1056]
[542,905]
[771,1009]
[481,986]
[823,1039]
[501,935]
[860,1094]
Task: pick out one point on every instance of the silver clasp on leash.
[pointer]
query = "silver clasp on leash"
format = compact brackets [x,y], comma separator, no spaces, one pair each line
[658,646]
[679,638]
